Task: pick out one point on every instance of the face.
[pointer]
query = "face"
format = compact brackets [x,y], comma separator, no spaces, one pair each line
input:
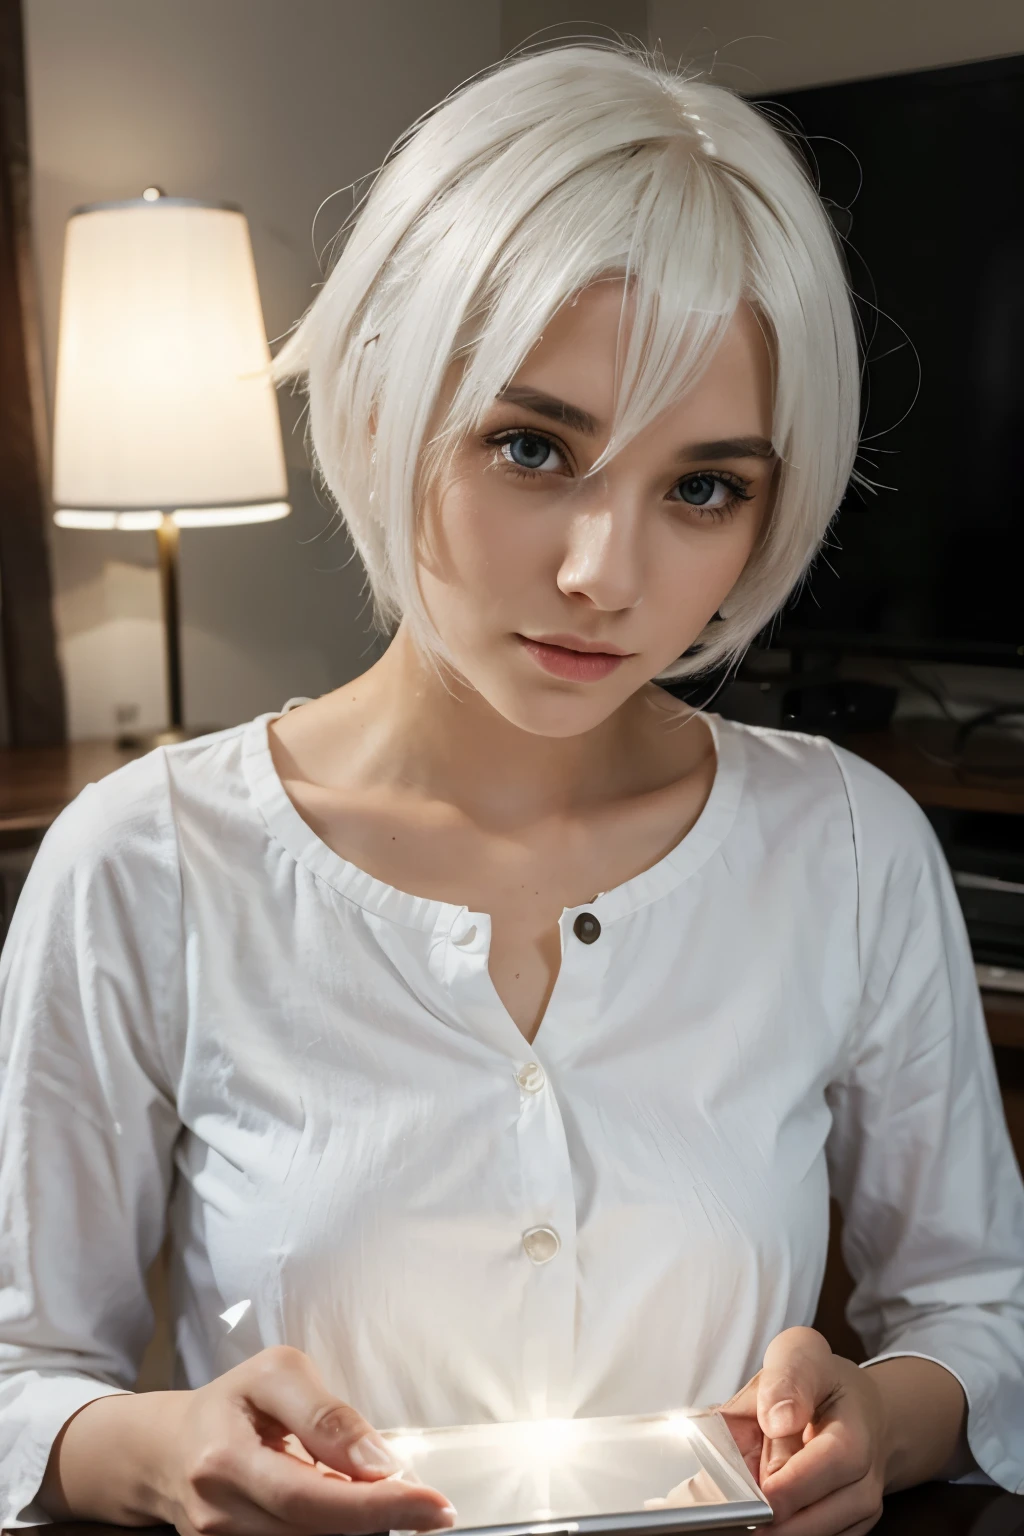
[560,595]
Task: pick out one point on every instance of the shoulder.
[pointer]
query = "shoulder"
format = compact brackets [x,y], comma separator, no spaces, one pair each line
[126,826]
[819,797]
[812,776]
[813,797]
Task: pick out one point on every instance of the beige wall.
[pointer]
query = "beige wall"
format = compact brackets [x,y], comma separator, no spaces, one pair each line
[775,45]
[274,104]
[538,21]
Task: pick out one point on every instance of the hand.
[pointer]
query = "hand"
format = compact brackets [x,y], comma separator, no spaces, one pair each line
[812,1429]
[264,1450]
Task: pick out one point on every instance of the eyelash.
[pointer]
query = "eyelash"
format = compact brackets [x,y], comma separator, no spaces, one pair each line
[732,482]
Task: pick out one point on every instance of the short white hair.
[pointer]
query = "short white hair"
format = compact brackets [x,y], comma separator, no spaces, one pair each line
[529,183]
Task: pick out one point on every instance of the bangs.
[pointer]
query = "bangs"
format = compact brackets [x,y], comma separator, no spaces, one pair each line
[652,217]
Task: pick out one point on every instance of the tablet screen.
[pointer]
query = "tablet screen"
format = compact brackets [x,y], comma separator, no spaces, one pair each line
[652,1472]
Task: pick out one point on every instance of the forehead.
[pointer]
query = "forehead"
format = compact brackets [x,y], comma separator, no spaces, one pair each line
[574,360]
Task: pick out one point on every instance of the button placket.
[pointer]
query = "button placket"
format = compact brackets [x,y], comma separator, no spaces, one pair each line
[460,957]
[586,963]
[547,1221]
[546,1243]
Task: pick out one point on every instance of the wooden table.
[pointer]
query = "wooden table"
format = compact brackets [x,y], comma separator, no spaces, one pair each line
[907,753]
[36,783]
[937,1509]
[898,752]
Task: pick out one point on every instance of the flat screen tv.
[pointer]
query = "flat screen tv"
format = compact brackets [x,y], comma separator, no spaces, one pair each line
[923,174]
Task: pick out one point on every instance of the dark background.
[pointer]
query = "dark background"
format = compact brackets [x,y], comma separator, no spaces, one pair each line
[923,177]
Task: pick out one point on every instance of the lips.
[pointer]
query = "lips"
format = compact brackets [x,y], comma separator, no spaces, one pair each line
[577,666]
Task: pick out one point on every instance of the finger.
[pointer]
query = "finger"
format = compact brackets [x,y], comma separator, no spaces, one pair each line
[232,1519]
[701,1488]
[799,1373]
[775,1454]
[315,1501]
[837,1456]
[283,1384]
[849,1510]
[229,1512]
[271,1493]
[746,1432]
[744,1401]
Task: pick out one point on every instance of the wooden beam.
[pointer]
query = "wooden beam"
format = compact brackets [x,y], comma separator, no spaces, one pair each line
[31,679]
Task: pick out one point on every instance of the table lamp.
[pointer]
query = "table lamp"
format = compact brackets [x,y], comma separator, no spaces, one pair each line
[165,416]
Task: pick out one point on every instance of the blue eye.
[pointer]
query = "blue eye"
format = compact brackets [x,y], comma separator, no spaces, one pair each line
[699,489]
[529,451]
[714,495]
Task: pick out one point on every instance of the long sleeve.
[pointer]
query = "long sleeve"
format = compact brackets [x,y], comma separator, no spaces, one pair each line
[920,1158]
[89,987]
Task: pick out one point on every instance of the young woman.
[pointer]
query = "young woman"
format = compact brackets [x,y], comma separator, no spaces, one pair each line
[489,1033]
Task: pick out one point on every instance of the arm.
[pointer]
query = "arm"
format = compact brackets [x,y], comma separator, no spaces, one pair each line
[91,1022]
[924,1422]
[933,1206]
[919,1157]
[254,1453]
[88,991]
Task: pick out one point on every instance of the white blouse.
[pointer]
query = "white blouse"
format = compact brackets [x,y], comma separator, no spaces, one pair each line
[210,1019]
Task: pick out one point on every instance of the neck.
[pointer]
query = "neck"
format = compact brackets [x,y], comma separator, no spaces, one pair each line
[407,724]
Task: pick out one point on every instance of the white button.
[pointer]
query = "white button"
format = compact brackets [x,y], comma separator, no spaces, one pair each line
[541,1244]
[467,937]
[531,1077]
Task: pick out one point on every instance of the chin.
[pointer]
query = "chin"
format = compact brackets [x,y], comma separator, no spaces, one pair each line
[550,710]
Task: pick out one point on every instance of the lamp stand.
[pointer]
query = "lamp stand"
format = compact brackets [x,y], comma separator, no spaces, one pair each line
[167,536]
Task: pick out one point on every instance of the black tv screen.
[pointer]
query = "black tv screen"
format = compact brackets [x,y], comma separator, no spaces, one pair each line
[925,176]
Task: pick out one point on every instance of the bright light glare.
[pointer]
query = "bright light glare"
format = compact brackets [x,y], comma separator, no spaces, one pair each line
[126,522]
[405,1446]
[139,522]
[225,517]
[541,1439]
[233,1316]
[679,1424]
[185,517]
[66,518]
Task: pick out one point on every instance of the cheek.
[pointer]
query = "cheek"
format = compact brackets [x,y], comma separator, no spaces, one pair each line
[692,574]
[485,545]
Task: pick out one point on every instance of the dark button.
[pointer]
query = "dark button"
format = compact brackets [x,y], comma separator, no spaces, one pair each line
[587,928]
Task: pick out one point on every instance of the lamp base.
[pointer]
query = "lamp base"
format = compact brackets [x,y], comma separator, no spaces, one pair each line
[145,741]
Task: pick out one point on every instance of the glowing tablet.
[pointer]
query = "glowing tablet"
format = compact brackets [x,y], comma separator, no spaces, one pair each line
[559,1477]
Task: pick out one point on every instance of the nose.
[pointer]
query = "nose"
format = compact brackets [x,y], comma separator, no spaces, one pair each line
[603,559]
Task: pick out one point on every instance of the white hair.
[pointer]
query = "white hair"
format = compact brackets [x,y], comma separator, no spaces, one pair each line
[526,185]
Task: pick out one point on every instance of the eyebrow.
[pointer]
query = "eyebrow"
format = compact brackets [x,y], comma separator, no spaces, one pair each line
[582,421]
[554,409]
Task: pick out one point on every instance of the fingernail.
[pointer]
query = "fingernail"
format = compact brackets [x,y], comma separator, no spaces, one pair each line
[449,1512]
[776,1463]
[371,1455]
[779,1418]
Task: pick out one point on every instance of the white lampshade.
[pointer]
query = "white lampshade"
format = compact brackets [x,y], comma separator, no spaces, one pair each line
[164,401]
